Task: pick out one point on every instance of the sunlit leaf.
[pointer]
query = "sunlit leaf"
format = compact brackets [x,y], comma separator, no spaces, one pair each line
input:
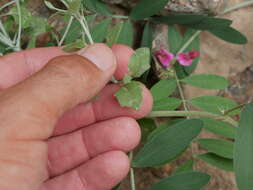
[163,89]
[130,95]
[139,62]
[206,81]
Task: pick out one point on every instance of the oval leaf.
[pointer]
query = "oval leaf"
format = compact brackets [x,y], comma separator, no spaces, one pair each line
[147,8]
[130,95]
[243,158]
[99,31]
[139,62]
[147,37]
[163,89]
[114,34]
[127,34]
[169,144]
[214,104]
[220,147]
[217,161]
[230,34]
[184,181]
[219,128]
[177,18]
[186,167]
[207,81]
[167,104]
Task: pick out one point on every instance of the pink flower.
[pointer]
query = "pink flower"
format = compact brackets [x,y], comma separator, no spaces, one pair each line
[165,57]
[186,59]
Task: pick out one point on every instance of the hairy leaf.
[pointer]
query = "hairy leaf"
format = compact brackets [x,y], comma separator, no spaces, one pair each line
[130,95]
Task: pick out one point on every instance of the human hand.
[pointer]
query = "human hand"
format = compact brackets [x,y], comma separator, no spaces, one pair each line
[49,139]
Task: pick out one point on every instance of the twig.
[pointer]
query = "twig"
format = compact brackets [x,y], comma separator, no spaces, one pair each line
[6,5]
[185,46]
[66,31]
[18,41]
[193,114]
[132,176]
[238,6]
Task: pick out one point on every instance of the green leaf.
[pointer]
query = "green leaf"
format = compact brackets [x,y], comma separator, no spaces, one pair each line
[207,81]
[130,95]
[147,127]
[114,34]
[230,34]
[184,181]
[97,6]
[147,8]
[74,6]
[38,25]
[75,31]
[176,18]
[163,126]
[166,104]
[139,62]
[219,128]
[214,104]
[99,31]
[175,39]
[163,89]
[220,147]
[243,157]
[217,161]
[186,167]
[127,79]
[26,16]
[147,37]
[74,46]
[167,145]
[127,34]
[211,23]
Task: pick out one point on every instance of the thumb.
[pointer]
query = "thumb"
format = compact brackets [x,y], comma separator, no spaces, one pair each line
[30,109]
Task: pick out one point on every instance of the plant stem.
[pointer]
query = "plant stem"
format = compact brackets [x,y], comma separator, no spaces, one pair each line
[86,30]
[181,92]
[238,6]
[185,46]
[6,5]
[193,114]
[233,109]
[132,176]
[3,29]
[7,41]
[120,16]
[18,41]
[66,31]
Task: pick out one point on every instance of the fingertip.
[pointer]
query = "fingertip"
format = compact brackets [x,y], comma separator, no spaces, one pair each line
[126,132]
[102,56]
[123,55]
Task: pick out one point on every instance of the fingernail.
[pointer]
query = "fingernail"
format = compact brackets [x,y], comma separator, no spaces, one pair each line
[101,55]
